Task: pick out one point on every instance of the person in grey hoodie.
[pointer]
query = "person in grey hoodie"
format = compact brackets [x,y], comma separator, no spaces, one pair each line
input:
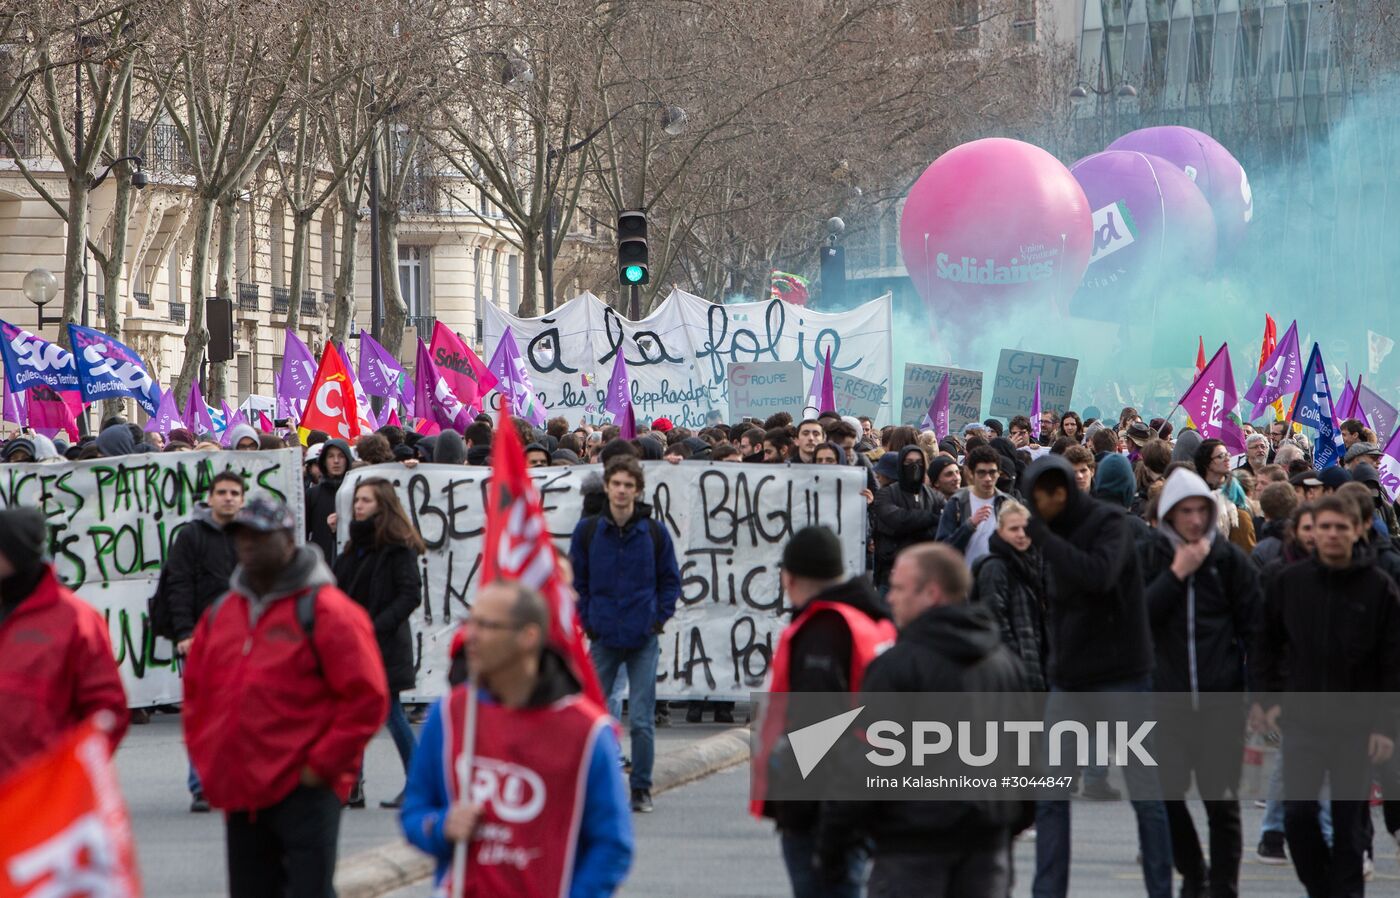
[116,440]
[243,436]
[1203,596]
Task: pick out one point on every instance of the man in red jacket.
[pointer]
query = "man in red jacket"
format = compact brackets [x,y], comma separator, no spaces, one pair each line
[283,690]
[56,665]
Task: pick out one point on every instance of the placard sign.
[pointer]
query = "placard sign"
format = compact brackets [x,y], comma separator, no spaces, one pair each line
[760,389]
[964,394]
[1015,382]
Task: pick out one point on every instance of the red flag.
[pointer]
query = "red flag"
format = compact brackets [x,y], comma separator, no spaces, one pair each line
[1266,349]
[518,547]
[1201,355]
[66,827]
[332,406]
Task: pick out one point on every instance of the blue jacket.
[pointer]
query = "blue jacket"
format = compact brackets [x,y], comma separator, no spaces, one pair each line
[604,851]
[627,581]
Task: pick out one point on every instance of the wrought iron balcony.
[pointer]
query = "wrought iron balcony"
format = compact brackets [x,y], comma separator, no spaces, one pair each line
[143,300]
[248,297]
[177,312]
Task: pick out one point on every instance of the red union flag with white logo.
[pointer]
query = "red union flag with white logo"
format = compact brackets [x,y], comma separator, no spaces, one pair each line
[518,547]
[332,405]
[66,831]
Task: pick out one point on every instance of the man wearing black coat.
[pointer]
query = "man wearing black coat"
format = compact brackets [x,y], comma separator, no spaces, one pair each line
[1202,598]
[1099,642]
[197,571]
[934,848]
[333,462]
[1330,624]
[904,513]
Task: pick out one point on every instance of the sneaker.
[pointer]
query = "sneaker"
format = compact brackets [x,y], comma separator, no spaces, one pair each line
[394,803]
[1368,868]
[695,713]
[1098,790]
[357,797]
[199,804]
[641,801]
[663,714]
[1271,850]
[724,715]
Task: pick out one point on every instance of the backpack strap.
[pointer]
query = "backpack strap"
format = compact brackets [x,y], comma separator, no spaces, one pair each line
[305,612]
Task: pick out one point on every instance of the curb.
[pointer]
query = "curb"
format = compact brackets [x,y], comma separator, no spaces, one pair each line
[378,871]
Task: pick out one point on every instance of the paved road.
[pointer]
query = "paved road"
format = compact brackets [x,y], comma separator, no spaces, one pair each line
[700,842]
[182,854]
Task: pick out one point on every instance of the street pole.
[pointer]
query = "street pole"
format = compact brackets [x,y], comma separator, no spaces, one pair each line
[78,160]
[636,305]
[376,289]
[548,234]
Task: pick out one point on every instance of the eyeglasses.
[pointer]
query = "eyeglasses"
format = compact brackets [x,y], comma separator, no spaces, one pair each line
[990,473]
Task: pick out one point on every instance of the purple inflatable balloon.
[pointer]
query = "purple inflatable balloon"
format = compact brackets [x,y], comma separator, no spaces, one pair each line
[1150,219]
[1219,175]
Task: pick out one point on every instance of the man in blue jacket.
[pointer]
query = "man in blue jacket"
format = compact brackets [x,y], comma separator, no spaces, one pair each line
[544,767]
[627,580]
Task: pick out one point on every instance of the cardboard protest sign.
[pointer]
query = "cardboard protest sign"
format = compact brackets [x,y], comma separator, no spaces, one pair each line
[857,397]
[760,389]
[964,394]
[1015,382]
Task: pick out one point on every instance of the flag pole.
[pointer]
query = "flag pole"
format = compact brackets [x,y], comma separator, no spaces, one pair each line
[464,783]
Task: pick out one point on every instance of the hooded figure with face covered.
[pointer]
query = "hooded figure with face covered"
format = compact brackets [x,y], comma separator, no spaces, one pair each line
[1203,596]
[904,512]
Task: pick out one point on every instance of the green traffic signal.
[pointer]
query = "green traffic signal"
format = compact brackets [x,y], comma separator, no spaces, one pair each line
[634,274]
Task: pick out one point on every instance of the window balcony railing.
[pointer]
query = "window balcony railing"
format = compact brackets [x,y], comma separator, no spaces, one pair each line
[177,312]
[308,302]
[247,297]
[281,300]
[143,300]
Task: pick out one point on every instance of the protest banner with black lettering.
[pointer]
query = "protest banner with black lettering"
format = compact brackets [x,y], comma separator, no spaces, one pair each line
[760,389]
[964,394]
[729,523]
[1015,382]
[111,524]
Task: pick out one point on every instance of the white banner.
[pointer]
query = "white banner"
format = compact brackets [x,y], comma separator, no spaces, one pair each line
[111,522]
[678,355]
[729,523]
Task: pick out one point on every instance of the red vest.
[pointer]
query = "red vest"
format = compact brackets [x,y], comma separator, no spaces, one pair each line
[868,639]
[529,774]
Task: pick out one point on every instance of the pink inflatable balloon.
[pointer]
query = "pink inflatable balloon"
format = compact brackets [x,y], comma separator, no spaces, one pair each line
[1150,220]
[1216,172]
[993,223]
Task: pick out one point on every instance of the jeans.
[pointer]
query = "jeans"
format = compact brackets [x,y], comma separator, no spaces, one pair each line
[1052,829]
[1226,846]
[799,856]
[287,850]
[192,781]
[984,871]
[1273,808]
[641,691]
[401,732]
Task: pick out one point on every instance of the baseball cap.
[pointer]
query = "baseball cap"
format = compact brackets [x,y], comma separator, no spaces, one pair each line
[1334,477]
[1305,478]
[265,515]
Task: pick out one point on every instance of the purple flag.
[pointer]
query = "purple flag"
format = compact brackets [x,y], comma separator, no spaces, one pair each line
[231,420]
[167,415]
[1379,413]
[362,403]
[619,400]
[379,372]
[828,388]
[1349,404]
[1211,398]
[1282,374]
[298,368]
[197,417]
[1035,410]
[1390,467]
[435,400]
[14,410]
[513,382]
[936,418]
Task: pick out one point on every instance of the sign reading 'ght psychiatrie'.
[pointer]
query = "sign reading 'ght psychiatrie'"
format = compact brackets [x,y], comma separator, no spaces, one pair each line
[1014,386]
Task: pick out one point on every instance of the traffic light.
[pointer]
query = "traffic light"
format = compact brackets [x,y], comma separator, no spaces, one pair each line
[632,267]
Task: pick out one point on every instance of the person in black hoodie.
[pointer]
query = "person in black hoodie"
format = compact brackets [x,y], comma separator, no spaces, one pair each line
[1203,598]
[904,512]
[379,570]
[1009,581]
[1330,623]
[1099,642]
[938,848]
[333,462]
[837,628]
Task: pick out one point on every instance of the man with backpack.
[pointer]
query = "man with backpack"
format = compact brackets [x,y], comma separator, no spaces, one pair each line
[628,582]
[284,688]
[196,573]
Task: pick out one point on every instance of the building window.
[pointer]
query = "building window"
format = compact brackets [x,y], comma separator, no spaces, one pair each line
[496,278]
[243,245]
[1023,23]
[245,376]
[172,277]
[413,262]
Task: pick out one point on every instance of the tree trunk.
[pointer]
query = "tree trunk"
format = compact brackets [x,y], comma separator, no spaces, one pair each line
[112,275]
[345,277]
[74,256]
[301,225]
[395,312]
[197,336]
[224,285]
[531,261]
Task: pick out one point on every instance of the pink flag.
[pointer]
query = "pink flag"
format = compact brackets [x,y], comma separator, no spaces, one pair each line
[936,418]
[1212,398]
[1035,410]
[15,410]
[436,400]
[1349,404]
[167,415]
[394,418]
[51,412]
[828,403]
[464,372]
[197,417]
[231,420]
[264,423]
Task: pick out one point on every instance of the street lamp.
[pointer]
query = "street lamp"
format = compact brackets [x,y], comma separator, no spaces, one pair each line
[1081,91]
[40,286]
[138,177]
[672,120]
